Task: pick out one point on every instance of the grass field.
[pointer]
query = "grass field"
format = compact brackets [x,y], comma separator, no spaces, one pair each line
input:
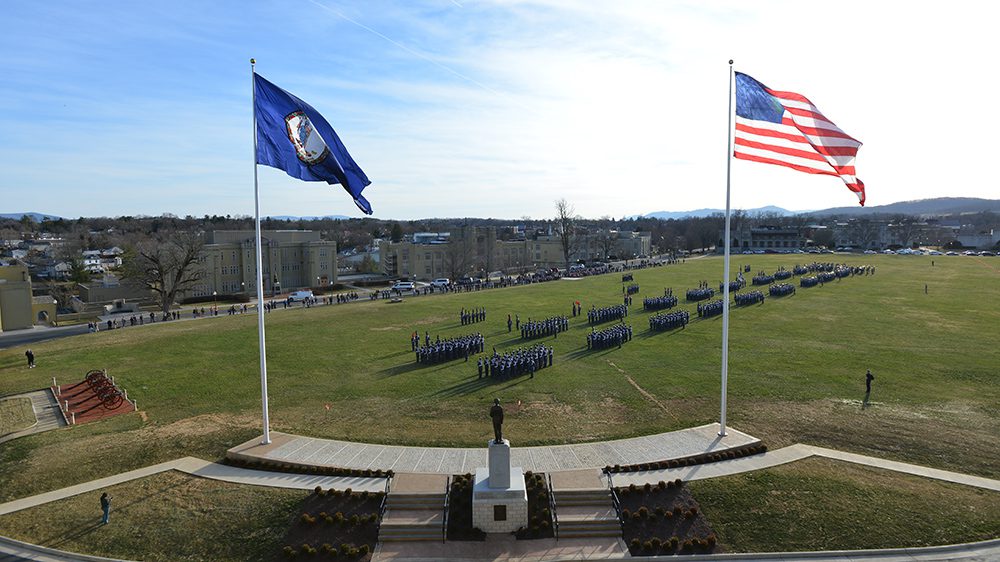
[796,373]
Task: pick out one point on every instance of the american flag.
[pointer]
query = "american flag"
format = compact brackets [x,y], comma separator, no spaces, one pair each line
[786,129]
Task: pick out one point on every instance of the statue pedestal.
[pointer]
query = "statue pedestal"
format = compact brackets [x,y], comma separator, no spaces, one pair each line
[499,461]
[499,502]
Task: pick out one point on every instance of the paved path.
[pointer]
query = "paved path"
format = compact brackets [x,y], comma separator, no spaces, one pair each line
[794,453]
[47,414]
[441,460]
[204,469]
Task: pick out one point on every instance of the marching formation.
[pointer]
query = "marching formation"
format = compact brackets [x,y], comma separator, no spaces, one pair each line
[609,337]
[668,300]
[450,349]
[753,297]
[515,363]
[669,320]
[540,328]
[608,313]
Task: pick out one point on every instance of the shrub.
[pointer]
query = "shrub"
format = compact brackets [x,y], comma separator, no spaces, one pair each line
[328,549]
[636,516]
[543,496]
[364,549]
[647,487]
[659,510]
[373,517]
[635,544]
[364,494]
[546,514]
[348,492]
[694,510]
[647,546]
[289,551]
[319,491]
[337,493]
[544,524]
[661,485]
[626,513]
[674,541]
[345,548]
[687,545]
[670,484]
[307,519]
[668,514]
[711,540]
[631,488]
[308,549]
[677,511]
[688,514]
[355,520]
[678,483]
[353,552]
[656,542]
[328,519]
[643,512]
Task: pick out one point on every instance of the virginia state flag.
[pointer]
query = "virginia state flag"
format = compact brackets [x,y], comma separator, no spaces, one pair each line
[294,137]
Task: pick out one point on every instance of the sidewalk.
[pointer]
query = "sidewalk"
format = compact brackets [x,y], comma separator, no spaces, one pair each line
[441,460]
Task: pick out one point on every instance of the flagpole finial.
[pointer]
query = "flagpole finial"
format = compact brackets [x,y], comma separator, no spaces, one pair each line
[254,61]
[730,62]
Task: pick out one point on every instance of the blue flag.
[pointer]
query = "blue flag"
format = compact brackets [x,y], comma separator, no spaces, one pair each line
[294,137]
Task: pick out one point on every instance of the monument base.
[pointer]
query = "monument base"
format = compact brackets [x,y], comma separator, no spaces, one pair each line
[499,510]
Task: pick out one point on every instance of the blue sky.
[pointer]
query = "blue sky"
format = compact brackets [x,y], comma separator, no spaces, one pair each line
[489,109]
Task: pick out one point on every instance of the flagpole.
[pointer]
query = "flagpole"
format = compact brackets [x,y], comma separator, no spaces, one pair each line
[725,274]
[260,278]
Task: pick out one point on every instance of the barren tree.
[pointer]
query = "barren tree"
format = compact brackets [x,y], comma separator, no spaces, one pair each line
[565,227]
[165,265]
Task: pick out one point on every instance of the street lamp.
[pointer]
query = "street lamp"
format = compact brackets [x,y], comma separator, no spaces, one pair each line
[214,293]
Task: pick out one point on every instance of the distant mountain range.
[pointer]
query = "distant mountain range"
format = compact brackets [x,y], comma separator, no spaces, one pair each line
[327,217]
[926,207]
[38,217]
[702,213]
[938,206]
[923,207]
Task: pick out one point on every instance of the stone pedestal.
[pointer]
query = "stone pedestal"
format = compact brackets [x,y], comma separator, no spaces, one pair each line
[499,497]
[499,475]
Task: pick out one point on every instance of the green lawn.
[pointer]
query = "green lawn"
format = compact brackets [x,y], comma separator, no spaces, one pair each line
[821,504]
[15,415]
[169,516]
[796,373]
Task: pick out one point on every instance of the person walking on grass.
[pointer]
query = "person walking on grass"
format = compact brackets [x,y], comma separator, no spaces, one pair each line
[31,359]
[869,377]
[106,508]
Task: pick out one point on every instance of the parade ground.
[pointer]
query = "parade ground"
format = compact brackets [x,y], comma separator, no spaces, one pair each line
[344,382]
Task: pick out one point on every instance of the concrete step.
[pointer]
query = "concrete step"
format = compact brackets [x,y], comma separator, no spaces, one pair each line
[586,512]
[416,501]
[583,497]
[395,517]
[574,534]
[388,535]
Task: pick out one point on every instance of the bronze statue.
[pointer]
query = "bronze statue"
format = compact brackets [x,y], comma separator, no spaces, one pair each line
[496,412]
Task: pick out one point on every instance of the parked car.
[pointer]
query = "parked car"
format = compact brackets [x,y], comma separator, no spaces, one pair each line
[441,282]
[951,253]
[466,281]
[300,296]
[403,286]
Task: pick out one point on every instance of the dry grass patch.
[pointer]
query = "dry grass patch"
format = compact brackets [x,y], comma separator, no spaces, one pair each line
[822,504]
[169,516]
[16,414]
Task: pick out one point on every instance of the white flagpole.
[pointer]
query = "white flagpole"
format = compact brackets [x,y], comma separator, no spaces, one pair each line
[725,274]
[260,278]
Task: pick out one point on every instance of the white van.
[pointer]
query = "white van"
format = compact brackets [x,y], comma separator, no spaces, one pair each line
[440,282]
[300,296]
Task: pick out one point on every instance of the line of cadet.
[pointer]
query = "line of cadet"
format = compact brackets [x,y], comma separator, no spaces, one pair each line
[609,337]
[597,315]
[521,361]
[668,300]
[752,297]
[541,328]
[669,320]
[473,315]
[451,348]
[710,309]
